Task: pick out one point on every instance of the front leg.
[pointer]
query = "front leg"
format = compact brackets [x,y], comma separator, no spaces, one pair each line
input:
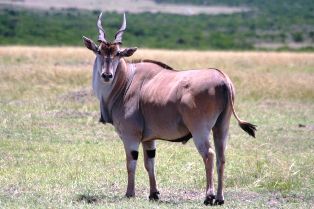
[149,150]
[131,152]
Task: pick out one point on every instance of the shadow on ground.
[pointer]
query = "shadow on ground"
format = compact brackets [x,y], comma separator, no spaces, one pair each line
[95,199]
[98,199]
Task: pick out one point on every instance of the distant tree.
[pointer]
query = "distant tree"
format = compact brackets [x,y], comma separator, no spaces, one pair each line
[311,35]
[297,37]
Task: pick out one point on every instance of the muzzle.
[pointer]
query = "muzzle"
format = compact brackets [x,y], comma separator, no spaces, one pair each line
[106,76]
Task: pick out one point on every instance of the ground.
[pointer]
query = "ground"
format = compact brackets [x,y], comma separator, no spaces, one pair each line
[55,154]
[132,6]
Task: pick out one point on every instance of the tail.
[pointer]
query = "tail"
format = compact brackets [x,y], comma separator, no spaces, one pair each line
[246,126]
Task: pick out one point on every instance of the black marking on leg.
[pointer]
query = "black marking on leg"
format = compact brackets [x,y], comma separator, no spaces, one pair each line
[219,202]
[154,196]
[209,200]
[134,155]
[151,153]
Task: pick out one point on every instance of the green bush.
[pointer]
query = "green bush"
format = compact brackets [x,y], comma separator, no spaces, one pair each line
[267,22]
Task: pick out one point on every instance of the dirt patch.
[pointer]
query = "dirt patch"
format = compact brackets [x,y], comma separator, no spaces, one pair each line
[276,199]
[274,46]
[82,96]
[166,197]
[90,199]
[130,6]
[79,96]
[71,113]
[244,196]
[177,197]
[180,196]
[12,191]
[113,196]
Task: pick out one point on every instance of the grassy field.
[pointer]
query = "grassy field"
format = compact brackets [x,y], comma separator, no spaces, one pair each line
[54,153]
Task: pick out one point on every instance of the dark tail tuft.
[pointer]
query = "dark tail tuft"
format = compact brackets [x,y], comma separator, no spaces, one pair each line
[248,128]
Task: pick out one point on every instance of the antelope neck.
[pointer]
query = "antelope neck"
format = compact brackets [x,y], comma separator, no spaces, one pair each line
[118,88]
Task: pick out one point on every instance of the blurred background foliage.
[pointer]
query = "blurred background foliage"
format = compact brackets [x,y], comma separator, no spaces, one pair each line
[280,25]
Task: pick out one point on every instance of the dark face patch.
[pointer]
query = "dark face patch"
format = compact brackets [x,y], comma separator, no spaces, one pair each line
[109,49]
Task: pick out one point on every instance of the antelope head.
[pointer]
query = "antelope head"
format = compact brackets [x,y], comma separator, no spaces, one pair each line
[108,54]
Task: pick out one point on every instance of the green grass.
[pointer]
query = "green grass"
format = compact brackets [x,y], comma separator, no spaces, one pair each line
[54,153]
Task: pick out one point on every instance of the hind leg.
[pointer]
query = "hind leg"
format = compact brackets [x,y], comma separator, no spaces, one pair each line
[220,133]
[201,141]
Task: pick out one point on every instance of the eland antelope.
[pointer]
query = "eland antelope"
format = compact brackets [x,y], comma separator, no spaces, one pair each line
[148,100]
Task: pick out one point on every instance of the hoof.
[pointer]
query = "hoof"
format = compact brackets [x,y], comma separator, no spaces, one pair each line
[129,195]
[154,196]
[101,120]
[209,200]
[219,202]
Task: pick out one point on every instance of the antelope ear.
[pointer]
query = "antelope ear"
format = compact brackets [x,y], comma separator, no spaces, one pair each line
[90,44]
[128,52]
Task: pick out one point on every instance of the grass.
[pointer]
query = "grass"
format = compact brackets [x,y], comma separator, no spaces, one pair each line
[54,153]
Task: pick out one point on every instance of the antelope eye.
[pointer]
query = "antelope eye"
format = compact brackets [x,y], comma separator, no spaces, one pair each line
[118,54]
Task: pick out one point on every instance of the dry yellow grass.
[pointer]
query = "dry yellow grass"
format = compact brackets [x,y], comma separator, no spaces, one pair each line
[257,75]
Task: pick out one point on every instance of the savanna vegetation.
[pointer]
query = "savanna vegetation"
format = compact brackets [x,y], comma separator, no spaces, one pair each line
[55,154]
[280,25]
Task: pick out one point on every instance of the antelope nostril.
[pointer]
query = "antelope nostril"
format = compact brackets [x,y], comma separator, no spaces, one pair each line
[106,76]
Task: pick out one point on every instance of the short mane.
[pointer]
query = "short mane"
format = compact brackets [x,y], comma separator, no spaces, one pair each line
[161,64]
